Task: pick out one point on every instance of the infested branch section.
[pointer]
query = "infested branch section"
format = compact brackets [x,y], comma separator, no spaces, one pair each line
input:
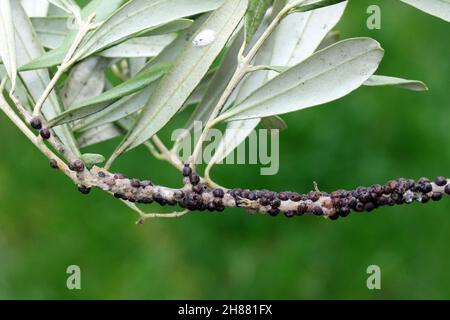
[197,196]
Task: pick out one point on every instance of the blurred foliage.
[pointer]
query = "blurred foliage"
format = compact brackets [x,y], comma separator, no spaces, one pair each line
[370,136]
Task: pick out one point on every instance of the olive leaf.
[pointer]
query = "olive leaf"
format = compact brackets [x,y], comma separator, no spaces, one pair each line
[7,41]
[274,122]
[327,75]
[99,102]
[28,48]
[35,8]
[300,33]
[139,47]
[187,72]
[215,89]
[50,30]
[438,8]
[254,16]
[131,103]
[102,8]
[98,134]
[138,15]
[85,80]
[414,85]
[315,4]
[68,6]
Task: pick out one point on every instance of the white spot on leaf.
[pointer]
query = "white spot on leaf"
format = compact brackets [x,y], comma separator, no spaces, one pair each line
[204,38]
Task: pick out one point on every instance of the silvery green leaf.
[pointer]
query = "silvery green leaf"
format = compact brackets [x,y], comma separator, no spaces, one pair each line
[171,27]
[28,48]
[413,85]
[98,134]
[139,47]
[126,104]
[50,30]
[274,122]
[68,6]
[7,41]
[255,14]
[327,75]
[35,8]
[139,15]
[97,103]
[135,65]
[331,38]
[86,80]
[117,110]
[299,34]
[102,8]
[438,8]
[315,4]
[215,89]
[91,159]
[187,72]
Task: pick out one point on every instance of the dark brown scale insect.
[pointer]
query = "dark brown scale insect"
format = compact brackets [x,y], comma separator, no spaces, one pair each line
[289,214]
[317,211]
[36,123]
[218,193]
[45,133]
[77,166]
[194,178]
[440,181]
[197,188]
[135,183]
[146,183]
[84,189]
[447,189]
[53,164]
[187,170]
[274,212]
[436,196]
[301,209]
[283,196]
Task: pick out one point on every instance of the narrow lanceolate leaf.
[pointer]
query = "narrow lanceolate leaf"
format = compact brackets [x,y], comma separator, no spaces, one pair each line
[325,76]
[86,80]
[316,4]
[99,102]
[51,30]
[190,67]
[117,110]
[7,41]
[131,103]
[215,89]
[68,6]
[139,47]
[28,48]
[139,15]
[438,8]
[413,85]
[299,35]
[255,14]
[102,8]
[274,122]
[98,134]
[35,8]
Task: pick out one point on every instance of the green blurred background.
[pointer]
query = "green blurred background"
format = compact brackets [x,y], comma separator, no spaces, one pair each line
[370,136]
